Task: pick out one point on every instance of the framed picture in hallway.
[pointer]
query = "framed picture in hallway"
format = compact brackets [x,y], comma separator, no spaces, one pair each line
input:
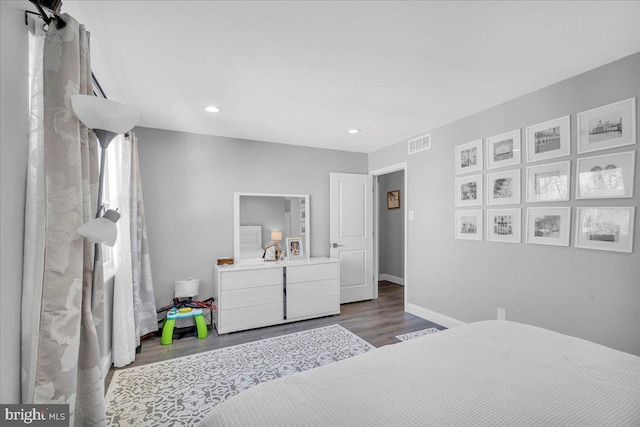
[393,199]
[609,126]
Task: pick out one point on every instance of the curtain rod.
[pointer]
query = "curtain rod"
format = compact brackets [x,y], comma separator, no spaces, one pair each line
[54,6]
[51,5]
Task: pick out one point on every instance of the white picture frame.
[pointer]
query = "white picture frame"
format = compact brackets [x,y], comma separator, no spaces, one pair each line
[548,226]
[503,188]
[606,177]
[469,157]
[609,126]
[504,225]
[504,149]
[469,224]
[605,228]
[295,248]
[469,190]
[549,139]
[550,182]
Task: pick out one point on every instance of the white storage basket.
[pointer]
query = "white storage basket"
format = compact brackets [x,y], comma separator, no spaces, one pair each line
[186,288]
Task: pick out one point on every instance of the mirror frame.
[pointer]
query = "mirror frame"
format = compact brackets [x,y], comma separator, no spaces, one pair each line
[236,224]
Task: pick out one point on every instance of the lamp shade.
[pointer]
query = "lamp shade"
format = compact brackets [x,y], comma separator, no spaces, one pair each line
[101,230]
[276,236]
[104,114]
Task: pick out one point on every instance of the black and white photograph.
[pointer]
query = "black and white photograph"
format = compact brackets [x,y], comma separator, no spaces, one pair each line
[469,224]
[605,228]
[549,140]
[503,149]
[503,188]
[548,182]
[606,177]
[469,157]
[503,225]
[609,126]
[549,226]
[468,190]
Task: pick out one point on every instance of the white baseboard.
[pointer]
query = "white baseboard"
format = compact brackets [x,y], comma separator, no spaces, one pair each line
[393,279]
[106,364]
[433,316]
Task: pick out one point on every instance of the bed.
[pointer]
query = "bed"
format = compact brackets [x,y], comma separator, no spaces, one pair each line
[492,373]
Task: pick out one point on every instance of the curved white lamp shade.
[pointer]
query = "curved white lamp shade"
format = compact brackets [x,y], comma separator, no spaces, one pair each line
[104,114]
[101,230]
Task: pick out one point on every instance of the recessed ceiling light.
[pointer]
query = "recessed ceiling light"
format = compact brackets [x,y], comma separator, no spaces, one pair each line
[353,131]
[212,109]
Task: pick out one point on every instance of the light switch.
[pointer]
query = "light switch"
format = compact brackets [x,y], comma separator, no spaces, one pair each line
[410,215]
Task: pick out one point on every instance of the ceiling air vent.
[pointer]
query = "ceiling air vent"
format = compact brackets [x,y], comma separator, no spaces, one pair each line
[420,143]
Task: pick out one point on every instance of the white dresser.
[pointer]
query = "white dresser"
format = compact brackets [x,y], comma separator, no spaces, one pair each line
[255,295]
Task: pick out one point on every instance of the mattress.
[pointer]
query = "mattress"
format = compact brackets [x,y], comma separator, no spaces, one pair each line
[492,373]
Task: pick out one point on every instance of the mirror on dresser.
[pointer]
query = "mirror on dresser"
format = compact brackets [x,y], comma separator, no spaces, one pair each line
[257,215]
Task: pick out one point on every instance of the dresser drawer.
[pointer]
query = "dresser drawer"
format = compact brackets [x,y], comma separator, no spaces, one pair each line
[239,319]
[250,278]
[248,297]
[306,290]
[308,273]
[313,307]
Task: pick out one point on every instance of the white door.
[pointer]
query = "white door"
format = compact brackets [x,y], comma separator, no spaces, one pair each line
[351,233]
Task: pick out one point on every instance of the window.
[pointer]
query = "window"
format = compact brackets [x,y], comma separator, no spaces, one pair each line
[107,192]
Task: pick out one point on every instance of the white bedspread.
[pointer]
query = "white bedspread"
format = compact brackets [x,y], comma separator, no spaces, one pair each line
[493,373]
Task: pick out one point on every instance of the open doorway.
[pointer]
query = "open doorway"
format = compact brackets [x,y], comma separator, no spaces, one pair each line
[390,239]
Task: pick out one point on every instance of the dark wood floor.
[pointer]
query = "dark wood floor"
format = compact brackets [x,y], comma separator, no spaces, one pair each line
[377,321]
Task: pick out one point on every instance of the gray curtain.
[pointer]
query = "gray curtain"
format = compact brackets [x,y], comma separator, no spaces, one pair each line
[61,361]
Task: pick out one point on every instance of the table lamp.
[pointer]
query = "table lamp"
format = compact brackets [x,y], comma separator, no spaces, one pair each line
[276,236]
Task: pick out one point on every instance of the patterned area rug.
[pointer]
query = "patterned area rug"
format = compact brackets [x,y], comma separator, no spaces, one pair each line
[181,391]
[416,334]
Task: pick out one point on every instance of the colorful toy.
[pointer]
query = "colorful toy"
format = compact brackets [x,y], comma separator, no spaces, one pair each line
[183,313]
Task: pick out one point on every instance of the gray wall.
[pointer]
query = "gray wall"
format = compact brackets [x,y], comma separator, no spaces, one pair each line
[14,131]
[391,227]
[590,294]
[188,183]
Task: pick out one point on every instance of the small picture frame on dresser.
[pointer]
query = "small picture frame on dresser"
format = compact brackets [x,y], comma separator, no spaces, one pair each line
[294,248]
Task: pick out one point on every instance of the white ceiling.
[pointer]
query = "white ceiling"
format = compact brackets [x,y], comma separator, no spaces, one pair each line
[304,72]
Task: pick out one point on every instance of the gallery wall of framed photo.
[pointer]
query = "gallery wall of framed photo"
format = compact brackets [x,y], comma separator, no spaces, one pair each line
[492,171]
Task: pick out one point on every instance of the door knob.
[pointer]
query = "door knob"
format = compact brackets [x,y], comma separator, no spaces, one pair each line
[335,245]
